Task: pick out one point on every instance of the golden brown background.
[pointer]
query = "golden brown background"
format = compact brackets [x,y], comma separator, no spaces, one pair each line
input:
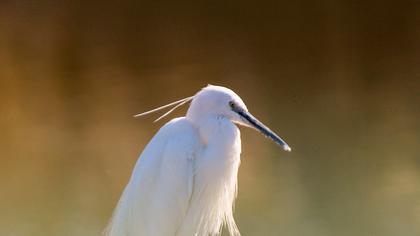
[339,80]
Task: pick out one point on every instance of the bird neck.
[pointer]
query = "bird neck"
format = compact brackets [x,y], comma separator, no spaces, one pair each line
[218,130]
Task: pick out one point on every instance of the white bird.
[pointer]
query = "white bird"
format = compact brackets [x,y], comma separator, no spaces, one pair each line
[185,181]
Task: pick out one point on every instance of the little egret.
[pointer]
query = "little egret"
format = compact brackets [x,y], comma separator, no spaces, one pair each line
[185,181]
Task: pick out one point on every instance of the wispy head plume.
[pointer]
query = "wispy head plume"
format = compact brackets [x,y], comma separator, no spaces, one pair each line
[176,104]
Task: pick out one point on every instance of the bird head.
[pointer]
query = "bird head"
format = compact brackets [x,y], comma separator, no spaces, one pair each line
[223,102]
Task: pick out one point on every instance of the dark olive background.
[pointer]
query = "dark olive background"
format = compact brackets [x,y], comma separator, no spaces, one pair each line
[338,80]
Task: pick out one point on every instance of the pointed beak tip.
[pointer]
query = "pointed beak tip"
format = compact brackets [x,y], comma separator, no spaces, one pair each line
[252,122]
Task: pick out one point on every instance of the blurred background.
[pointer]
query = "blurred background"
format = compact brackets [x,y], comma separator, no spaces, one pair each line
[338,80]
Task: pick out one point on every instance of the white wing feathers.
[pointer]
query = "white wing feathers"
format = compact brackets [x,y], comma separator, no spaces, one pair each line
[156,199]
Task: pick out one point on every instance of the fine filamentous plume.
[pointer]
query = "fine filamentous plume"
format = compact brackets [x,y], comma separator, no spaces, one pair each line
[185,181]
[176,104]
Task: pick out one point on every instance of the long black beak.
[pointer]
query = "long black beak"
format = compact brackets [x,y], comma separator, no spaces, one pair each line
[256,124]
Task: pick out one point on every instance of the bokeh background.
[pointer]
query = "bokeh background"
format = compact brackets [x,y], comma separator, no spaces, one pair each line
[339,80]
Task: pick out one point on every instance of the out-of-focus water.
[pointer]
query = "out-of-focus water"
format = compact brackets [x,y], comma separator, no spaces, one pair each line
[339,81]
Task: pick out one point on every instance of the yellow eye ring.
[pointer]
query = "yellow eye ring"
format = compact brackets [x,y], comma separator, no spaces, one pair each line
[232,104]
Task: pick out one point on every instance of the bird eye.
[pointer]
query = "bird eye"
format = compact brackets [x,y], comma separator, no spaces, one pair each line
[232,104]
